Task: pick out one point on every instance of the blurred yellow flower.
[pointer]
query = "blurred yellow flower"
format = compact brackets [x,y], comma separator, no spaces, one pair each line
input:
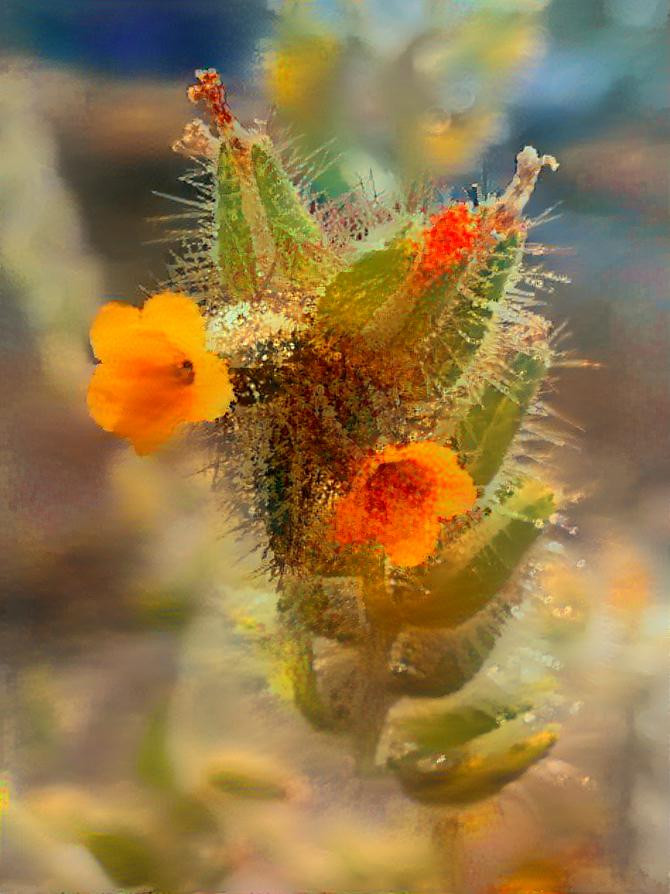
[155,371]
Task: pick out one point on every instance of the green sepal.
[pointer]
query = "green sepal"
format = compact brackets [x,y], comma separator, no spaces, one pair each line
[485,434]
[476,567]
[469,318]
[296,235]
[353,297]
[234,244]
[464,776]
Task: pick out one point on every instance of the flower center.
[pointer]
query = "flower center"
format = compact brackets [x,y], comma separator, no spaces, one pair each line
[185,372]
[397,483]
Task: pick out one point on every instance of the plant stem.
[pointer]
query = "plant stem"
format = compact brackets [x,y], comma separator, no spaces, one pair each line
[374,703]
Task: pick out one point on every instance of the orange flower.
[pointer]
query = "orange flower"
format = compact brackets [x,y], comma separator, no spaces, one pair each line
[155,371]
[452,235]
[400,496]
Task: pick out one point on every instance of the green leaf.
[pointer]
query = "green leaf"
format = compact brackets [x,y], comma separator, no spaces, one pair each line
[355,294]
[295,233]
[464,776]
[235,253]
[475,568]
[486,432]
[444,730]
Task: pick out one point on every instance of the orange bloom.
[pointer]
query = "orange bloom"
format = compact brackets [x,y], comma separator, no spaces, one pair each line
[155,371]
[400,496]
[451,236]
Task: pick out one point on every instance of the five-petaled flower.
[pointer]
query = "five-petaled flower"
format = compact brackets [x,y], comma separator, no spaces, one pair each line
[399,498]
[155,371]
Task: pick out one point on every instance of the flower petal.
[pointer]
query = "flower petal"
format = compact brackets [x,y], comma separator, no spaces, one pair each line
[413,544]
[104,398]
[139,394]
[178,317]
[212,391]
[111,326]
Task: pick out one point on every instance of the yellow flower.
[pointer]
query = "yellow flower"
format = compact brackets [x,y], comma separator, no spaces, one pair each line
[399,498]
[154,371]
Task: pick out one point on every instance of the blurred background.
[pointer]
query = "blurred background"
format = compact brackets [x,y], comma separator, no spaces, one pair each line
[124,608]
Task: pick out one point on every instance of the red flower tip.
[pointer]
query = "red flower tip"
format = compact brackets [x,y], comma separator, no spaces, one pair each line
[448,241]
[211,91]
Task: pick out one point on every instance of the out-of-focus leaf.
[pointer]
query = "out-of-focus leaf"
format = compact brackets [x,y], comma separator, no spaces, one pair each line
[481,562]
[306,691]
[189,815]
[243,778]
[487,431]
[463,776]
[161,608]
[328,606]
[29,838]
[125,855]
[153,762]
[411,63]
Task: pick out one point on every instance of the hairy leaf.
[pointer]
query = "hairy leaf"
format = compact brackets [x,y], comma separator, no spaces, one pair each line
[474,569]
[485,434]
[435,663]
[468,318]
